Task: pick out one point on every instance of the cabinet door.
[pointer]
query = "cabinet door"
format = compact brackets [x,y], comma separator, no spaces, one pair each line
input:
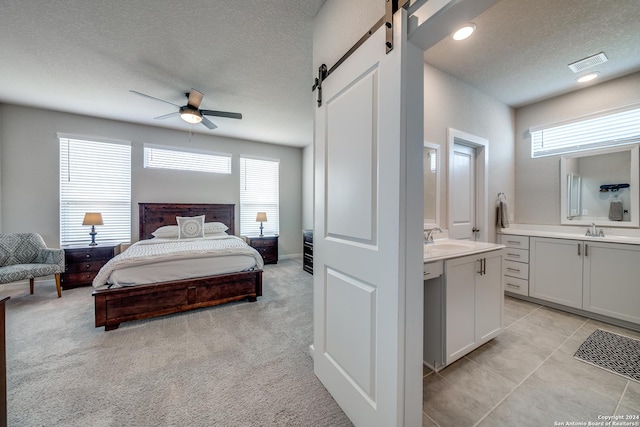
[556,270]
[611,274]
[489,298]
[460,275]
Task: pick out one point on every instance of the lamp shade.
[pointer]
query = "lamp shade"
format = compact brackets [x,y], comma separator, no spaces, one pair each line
[92,218]
[261,217]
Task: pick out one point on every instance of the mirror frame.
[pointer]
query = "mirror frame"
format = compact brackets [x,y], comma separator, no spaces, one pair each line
[634,181]
[435,147]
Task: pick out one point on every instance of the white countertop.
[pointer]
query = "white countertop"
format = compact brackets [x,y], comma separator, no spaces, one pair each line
[450,248]
[633,240]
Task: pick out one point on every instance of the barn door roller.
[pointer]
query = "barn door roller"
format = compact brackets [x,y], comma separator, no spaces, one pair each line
[391,7]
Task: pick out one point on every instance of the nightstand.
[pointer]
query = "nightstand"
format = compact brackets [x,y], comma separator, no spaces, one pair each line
[267,246]
[82,263]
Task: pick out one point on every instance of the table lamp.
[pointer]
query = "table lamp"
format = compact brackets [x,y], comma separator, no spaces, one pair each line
[261,217]
[92,219]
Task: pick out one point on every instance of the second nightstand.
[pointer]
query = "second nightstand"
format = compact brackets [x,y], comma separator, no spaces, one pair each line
[82,263]
[267,246]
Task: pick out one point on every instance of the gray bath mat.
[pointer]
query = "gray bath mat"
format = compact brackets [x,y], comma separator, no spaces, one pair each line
[612,352]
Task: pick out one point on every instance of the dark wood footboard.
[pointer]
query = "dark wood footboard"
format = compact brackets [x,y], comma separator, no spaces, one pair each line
[114,306]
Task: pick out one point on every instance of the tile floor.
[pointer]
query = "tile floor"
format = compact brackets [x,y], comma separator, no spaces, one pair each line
[527,376]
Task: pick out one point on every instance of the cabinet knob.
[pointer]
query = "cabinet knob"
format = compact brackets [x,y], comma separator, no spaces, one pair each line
[88,265]
[88,256]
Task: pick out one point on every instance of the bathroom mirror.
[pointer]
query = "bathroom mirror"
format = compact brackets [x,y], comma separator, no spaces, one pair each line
[431,161]
[601,187]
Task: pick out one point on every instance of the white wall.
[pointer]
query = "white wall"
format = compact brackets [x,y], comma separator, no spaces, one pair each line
[307,187]
[537,181]
[449,102]
[30,171]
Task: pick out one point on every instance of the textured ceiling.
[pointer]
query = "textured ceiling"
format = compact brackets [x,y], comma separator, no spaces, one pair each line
[247,56]
[254,57]
[521,49]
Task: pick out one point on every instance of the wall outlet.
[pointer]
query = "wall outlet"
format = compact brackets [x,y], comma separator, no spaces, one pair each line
[585,212]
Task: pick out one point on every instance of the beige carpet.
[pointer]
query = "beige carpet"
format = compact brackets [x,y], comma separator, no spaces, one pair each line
[239,364]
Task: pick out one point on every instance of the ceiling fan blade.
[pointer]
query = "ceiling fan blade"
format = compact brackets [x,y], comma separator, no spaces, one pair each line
[152,97]
[195,98]
[208,123]
[221,114]
[167,116]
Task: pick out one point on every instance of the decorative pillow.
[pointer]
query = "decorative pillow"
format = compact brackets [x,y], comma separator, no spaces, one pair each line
[166,232]
[190,226]
[214,227]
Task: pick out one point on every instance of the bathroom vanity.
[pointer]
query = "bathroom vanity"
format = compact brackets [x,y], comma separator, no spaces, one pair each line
[463,298]
[588,275]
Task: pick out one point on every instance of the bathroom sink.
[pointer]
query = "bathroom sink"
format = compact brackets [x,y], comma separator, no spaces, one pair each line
[451,248]
[450,245]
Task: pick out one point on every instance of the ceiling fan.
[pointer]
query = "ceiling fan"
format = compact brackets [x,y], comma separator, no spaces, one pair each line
[191,113]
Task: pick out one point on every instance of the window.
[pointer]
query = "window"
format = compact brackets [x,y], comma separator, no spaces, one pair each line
[190,160]
[617,128]
[259,192]
[95,176]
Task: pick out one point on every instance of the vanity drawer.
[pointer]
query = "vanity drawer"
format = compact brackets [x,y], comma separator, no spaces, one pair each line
[432,270]
[516,269]
[516,286]
[519,255]
[513,241]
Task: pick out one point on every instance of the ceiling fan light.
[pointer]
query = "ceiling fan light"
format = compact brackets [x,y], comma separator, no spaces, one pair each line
[464,32]
[190,116]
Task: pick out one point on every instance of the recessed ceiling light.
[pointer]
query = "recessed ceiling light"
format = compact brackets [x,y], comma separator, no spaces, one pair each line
[587,77]
[464,32]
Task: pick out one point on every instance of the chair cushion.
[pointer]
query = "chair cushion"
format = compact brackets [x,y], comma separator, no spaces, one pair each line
[13,273]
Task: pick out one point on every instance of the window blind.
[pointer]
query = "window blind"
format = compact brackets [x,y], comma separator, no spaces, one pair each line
[94,177]
[259,192]
[618,128]
[180,159]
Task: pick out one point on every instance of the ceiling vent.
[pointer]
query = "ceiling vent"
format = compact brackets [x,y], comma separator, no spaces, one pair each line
[589,62]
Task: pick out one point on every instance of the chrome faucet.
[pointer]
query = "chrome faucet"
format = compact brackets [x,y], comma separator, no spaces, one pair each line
[428,235]
[592,231]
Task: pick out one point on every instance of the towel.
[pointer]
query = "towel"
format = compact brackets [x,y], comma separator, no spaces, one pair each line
[502,215]
[615,210]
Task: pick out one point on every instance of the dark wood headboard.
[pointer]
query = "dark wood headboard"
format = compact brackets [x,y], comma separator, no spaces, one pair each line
[156,215]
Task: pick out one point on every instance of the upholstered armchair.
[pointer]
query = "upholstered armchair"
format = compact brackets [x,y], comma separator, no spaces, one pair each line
[26,256]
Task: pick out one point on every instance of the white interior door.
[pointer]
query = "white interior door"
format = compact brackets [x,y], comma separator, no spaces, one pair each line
[359,233]
[462,191]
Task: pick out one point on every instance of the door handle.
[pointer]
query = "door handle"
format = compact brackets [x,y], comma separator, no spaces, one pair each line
[579,249]
[586,250]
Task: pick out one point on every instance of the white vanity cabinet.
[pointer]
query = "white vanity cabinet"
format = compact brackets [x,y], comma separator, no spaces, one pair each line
[598,277]
[474,300]
[611,280]
[556,270]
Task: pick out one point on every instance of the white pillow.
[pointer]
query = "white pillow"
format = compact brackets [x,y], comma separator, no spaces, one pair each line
[166,232]
[172,231]
[190,227]
[214,227]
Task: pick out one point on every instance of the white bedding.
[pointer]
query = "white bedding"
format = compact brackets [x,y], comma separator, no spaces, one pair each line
[160,260]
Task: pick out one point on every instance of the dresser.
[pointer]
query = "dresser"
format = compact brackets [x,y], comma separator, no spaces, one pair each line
[307,251]
[267,246]
[82,263]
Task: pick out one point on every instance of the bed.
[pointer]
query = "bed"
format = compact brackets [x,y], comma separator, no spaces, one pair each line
[116,305]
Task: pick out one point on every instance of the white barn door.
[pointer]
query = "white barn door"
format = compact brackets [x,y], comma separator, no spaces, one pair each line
[359,233]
